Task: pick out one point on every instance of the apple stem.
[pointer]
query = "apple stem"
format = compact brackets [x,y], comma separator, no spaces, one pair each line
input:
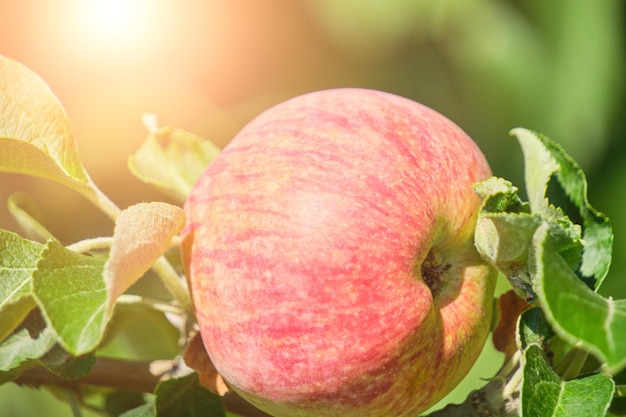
[175,284]
[86,245]
[102,201]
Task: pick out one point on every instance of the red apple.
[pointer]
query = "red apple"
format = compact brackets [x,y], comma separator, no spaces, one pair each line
[331,259]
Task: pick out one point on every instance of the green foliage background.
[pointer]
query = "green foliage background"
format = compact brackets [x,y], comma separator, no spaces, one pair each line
[556,67]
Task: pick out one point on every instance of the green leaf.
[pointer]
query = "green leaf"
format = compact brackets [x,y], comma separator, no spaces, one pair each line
[544,394]
[146,410]
[186,397]
[543,158]
[36,135]
[61,363]
[171,160]
[72,295]
[119,402]
[533,328]
[575,312]
[539,166]
[143,232]
[23,210]
[139,332]
[504,231]
[25,347]
[18,260]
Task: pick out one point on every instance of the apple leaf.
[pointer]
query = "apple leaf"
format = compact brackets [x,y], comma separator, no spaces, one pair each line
[142,234]
[139,332]
[185,397]
[72,295]
[61,363]
[171,160]
[576,312]
[543,158]
[18,260]
[533,328]
[117,403]
[23,209]
[504,231]
[25,347]
[545,394]
[145,410]
[36,135]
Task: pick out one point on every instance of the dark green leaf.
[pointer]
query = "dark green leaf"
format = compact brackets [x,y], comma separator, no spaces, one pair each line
[120,402]
[533,328]
[575,312]
[146,410]
[61,363]
[185,397]
[71,292]
[545,394]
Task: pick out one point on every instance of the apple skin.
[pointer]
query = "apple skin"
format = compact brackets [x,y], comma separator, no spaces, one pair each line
[304,249]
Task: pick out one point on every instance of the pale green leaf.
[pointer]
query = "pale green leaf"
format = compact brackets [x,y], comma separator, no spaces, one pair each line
[26,213]
[36,135]
[539,166]
[172,160]
[18,260]
[72,295]
[143,233]
[503,240]
[545,394]
[577,313]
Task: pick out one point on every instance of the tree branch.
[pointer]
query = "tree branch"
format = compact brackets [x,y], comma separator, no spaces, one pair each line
[124,375]
[498,398]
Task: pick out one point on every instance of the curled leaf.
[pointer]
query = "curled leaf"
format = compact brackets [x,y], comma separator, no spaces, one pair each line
[576,312]
[171,160]
[143,233]
[36,135]
[510,306]
[543,158]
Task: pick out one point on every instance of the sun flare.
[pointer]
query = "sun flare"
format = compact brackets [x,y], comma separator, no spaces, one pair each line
[118,24]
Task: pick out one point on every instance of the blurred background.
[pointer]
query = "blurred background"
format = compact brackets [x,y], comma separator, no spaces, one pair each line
[557,67]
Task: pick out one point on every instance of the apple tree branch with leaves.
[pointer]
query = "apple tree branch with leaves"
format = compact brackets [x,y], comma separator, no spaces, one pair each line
[61,305]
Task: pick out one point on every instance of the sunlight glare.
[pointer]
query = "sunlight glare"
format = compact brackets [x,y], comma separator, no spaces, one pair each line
[117,23]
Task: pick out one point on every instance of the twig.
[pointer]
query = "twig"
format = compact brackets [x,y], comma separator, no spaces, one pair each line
[124,375]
